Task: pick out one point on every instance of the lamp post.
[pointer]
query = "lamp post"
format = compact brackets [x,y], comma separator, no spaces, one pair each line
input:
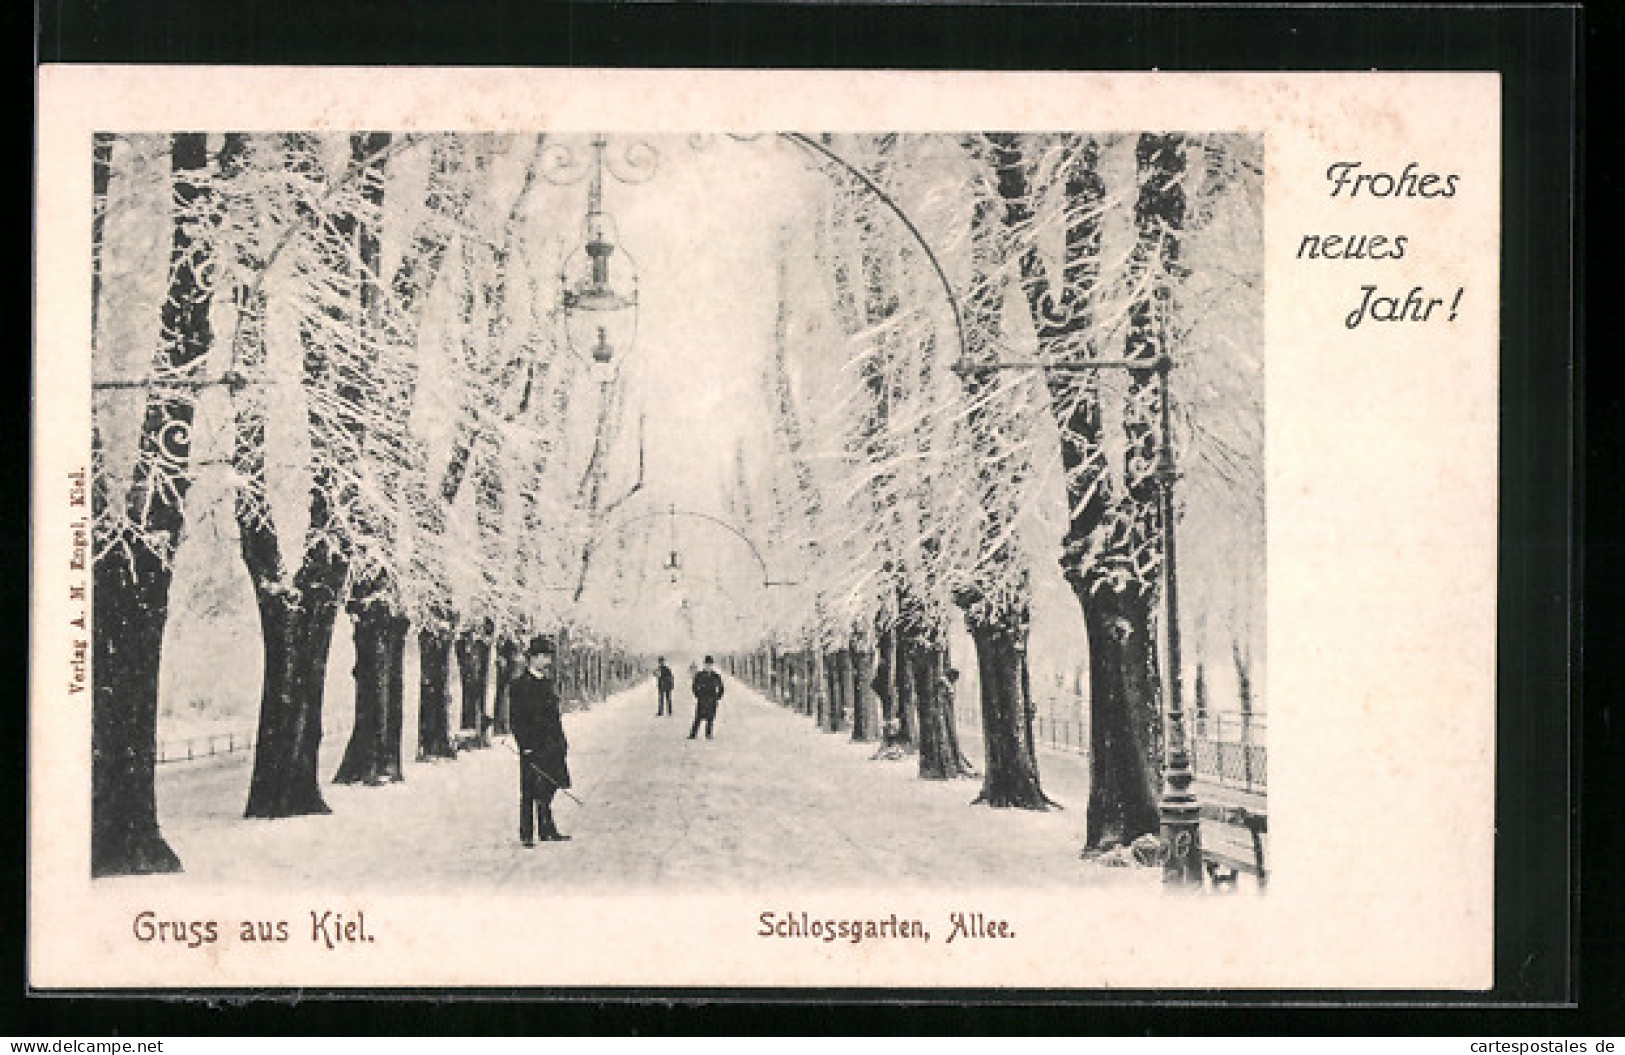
[1178,811]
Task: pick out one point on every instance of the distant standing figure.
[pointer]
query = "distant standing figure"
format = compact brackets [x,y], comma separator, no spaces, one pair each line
[664,683]
[707,690]
[533,714]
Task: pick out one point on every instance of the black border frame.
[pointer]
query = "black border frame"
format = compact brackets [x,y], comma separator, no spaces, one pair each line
[1537,51]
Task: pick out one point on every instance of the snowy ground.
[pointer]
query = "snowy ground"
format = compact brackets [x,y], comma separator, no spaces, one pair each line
[771,800]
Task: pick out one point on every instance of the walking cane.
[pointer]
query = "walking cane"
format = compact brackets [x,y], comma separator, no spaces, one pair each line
[544,774]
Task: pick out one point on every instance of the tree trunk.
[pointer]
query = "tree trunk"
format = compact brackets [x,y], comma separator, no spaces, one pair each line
[843,712]
[826,698]
[835,678]
[434,694]
[933,740]
[837,691]
[1124,723]
[851,687]
[809,683]
[395,703]
[940,758]
[507,665]
[473,667]
[1011,776]
[297,628]
[865,713]
[1030,705]
[904,735]
[369,754]
[130,605]
[816,686]
[364,752]
[884,684]
[130,602]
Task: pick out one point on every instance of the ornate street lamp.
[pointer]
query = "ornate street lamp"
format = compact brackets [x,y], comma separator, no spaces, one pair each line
[674,563]
[598,280]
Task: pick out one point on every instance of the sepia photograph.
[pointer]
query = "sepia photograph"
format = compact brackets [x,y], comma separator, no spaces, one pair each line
[440,478]
[669,529]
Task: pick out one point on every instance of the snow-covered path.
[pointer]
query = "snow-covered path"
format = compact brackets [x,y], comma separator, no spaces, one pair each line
[770,801]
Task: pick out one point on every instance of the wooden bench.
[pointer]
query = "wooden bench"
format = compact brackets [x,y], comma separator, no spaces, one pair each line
[1233,843]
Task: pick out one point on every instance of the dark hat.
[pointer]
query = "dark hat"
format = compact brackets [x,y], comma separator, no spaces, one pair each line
[708,659]
[540,646]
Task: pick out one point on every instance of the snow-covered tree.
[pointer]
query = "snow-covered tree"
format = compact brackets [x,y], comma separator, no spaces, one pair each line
[141,466]
[367,330]
[1112,282]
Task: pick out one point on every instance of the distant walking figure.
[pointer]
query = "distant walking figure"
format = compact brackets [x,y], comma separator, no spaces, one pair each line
[533,714]
[663,682]
[707,690]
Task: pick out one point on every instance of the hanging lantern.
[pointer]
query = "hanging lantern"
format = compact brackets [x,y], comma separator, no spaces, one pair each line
[598,282]
[674,562]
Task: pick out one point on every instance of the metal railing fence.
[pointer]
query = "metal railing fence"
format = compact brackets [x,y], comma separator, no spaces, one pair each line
[227,742]
[1229,748]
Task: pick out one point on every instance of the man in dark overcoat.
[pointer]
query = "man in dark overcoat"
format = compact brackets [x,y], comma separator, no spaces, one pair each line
[533,714]
[707,689]
[664,683]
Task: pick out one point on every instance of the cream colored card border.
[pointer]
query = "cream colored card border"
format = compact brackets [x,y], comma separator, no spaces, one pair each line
[1381,467]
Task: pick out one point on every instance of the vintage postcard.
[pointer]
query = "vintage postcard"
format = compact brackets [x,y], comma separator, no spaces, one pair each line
[586,528]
